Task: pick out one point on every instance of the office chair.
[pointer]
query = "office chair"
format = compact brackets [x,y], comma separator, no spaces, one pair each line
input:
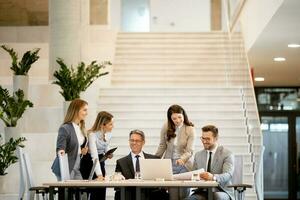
[43,190]
[237,179]
[22,183]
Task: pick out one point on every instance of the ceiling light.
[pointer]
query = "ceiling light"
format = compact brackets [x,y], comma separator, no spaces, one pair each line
[294,45]
[259,79]
[279,59]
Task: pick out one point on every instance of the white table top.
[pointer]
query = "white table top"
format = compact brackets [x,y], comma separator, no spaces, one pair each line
[132,183]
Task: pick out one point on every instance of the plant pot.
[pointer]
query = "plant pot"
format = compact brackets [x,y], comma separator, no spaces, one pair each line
[12,132]
[66,105]
[21,82]
[3,185]
[9,183]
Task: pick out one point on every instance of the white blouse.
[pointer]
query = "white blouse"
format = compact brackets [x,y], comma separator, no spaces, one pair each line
[79,135]
[98,146]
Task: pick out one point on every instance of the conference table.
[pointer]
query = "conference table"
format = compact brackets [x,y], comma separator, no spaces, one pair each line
[139,184]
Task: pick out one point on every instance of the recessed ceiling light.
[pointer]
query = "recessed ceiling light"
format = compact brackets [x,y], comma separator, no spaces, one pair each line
[279,59]
[294,45]
[259,79]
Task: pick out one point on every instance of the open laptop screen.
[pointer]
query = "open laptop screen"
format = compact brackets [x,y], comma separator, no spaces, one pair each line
[152,169]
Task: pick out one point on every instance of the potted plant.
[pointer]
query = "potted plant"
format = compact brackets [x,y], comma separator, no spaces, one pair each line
[21,68]
[73,81]
[7,153]
[11,110]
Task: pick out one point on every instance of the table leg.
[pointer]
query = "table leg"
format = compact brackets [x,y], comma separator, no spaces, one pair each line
[138,193]
[210,193]
[51,193]
[122,193]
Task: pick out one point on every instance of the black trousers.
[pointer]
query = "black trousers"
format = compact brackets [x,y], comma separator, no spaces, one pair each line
[99,193]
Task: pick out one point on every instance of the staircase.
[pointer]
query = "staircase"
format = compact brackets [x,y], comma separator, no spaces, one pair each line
[155,70]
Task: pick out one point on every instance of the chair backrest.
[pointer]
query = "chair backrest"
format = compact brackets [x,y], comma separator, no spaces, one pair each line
[28,167]
[237,177]
[259,183]
[22,183]
[93,169]
[64,167]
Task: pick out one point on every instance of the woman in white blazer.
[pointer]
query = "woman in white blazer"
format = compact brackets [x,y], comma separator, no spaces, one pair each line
[177,144]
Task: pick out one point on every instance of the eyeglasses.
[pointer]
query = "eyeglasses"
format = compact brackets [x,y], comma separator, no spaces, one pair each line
[205,139]
[135,141]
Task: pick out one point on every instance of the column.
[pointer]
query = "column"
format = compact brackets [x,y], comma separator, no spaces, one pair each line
[68,31]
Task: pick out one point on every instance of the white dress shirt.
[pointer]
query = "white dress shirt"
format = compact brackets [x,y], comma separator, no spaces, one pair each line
[79,135]
[141,154]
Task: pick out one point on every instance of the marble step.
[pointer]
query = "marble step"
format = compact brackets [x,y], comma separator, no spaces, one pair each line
[151,132]
[177,59]
[173,56]
[183,66]
[212,34]
[179,45]
[165,78]
[169,99]
[145,107]
[177,73]
[177,51]
[192,115]
[195,90]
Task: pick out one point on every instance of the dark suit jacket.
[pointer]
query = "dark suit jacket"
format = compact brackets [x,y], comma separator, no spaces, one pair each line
[66,140]
[125,166]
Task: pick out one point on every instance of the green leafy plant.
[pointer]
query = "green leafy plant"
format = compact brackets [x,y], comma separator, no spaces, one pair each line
[7,153]
[22,67]
[74,81]
[12,107]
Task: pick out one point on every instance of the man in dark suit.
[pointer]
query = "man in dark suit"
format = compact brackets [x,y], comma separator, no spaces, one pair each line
[129,165]
[218,163]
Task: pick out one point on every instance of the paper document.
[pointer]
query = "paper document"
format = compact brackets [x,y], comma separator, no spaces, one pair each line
[187,175]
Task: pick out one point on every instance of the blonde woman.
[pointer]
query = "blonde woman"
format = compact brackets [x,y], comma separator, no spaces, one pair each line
[177,143]
[71,138]
[99,137]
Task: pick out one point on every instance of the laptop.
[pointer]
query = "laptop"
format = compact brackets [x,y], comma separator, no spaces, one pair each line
[152,169]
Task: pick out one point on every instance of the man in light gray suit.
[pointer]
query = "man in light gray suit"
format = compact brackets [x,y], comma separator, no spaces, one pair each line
[218,163]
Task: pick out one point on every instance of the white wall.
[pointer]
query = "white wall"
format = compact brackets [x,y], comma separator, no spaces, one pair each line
[180,15]
[255,17]
[100,47]
[115,14]
[170,15]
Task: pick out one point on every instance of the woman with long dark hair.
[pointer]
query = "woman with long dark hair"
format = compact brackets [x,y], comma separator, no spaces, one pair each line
[177,144]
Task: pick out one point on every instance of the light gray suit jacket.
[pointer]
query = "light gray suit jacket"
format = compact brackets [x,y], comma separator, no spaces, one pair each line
[222,167]
[66,140]
[185,144]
